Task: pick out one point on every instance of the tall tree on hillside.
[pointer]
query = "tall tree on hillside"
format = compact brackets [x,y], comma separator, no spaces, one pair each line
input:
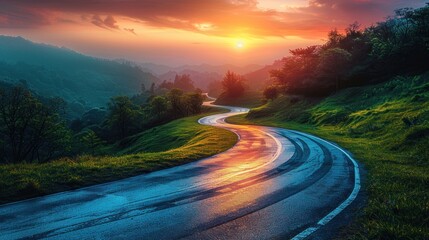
[176,103]
[193,103]
[232,84]
[122,115]
[158,106]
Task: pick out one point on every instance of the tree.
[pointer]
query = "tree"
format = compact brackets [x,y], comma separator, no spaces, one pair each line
[176,103]
[334,39]
[166,84]
[305,53]
[184,82]
[159,106]
[354,30]
[33,130]
[333,63]
[232,84]
[92,141]
[193,103]
[293,73]
[122,115]
[271,92]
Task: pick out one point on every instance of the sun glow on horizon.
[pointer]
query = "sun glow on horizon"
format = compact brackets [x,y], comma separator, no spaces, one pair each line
[239,44]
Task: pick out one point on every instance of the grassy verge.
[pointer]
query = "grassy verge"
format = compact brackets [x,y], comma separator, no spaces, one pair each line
[178,142]
[386,127]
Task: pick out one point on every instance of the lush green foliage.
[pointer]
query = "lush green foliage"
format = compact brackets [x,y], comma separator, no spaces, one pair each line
[128,116]
[33,128]
[30,130]
[399,45]
[123,116]
[91,142]
[386,127]
[175,143]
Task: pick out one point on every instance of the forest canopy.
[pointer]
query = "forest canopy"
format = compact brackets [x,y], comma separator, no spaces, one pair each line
[397,46]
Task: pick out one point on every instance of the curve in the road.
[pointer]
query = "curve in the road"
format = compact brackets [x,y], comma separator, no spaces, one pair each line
[272,183]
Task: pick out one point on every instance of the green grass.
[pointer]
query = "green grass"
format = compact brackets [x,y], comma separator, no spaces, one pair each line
[386,127]
[178,142]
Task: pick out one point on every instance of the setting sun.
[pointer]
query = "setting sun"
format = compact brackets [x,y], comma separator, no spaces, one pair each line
[239,44]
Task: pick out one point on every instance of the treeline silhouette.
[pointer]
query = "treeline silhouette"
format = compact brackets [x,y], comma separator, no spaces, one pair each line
[183,82]
[397,46]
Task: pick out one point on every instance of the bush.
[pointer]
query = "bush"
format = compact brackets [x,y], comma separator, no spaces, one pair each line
[271,93]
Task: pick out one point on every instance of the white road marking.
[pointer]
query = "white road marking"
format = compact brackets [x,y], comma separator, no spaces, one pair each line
[307,232]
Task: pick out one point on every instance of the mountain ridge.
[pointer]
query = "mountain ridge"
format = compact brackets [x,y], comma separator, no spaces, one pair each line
[83,81]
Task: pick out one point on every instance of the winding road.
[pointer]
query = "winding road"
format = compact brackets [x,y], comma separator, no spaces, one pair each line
[274,183]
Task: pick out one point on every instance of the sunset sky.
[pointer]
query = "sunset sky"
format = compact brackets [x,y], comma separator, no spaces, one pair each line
[188,31]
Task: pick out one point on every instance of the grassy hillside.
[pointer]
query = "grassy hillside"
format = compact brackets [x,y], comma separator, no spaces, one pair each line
[386,127]
[178,142]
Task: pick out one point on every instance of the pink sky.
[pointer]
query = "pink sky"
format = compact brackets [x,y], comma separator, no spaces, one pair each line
[188,31]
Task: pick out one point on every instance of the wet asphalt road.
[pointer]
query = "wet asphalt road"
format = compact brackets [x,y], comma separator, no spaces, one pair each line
[274,183]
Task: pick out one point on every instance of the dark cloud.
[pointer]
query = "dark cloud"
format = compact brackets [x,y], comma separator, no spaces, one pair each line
[108,22]
[131,30]
[21,16]
[212,17]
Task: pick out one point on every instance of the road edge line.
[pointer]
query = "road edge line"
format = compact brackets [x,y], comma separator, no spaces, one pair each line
[326,219]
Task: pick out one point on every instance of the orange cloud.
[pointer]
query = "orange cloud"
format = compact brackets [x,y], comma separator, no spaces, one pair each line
[210,17]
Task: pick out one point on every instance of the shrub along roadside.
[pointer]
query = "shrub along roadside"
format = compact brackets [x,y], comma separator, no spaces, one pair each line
[187,141]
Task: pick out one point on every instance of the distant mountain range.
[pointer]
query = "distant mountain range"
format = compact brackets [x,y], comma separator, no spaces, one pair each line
[83,81]
[220,69]
[256,76]
[201,74]
[86,82]
[258,79]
